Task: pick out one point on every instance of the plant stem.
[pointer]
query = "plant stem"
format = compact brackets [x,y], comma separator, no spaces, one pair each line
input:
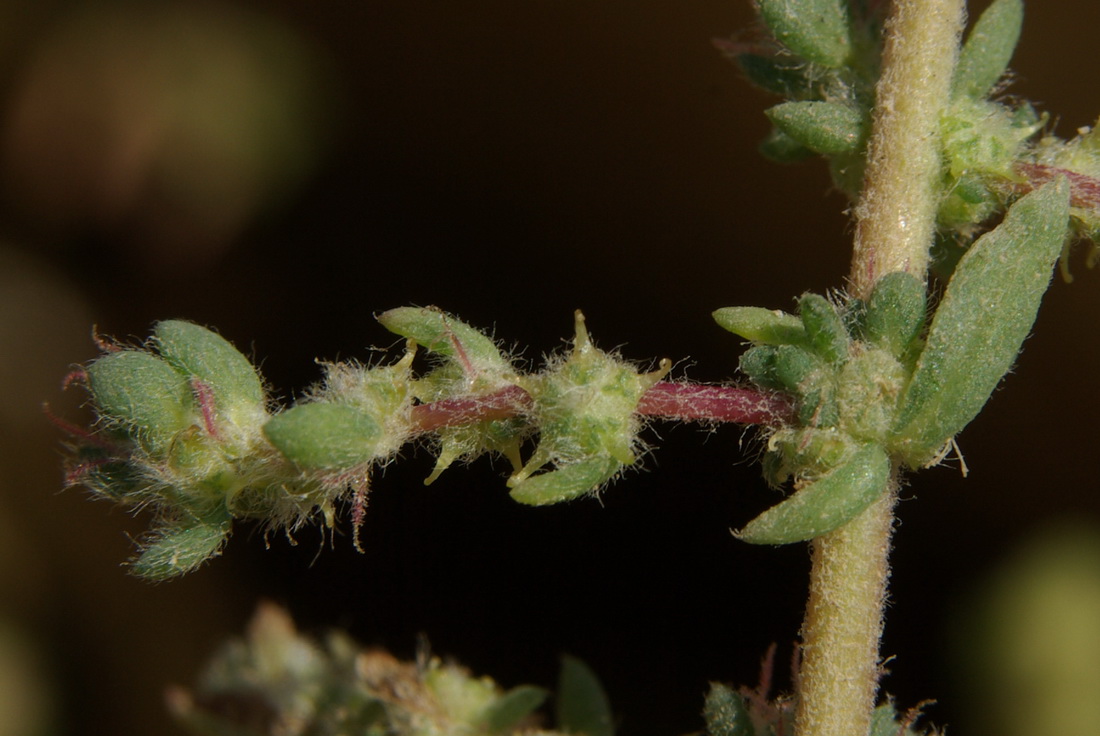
[838,676]
[838,679]
[688,402]
[895,217]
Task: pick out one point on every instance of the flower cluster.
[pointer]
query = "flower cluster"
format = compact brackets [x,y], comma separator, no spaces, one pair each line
[185,427]
[874,389]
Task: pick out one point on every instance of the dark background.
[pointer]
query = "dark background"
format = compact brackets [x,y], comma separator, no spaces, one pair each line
[509,162]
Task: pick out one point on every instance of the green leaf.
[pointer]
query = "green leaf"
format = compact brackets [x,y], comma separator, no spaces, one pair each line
[509,709]
[325,436]
[446,335]
[824,328]
[981,323]
[142,392]
[212,359]
[178,549]
[816,30]
[567,482]
[758,364]
[988,49]
[726,713]
[824,127]
[582,705]
[795,367]
[824,505]
[766,326]
[895,313]
[782,149]
[775,74]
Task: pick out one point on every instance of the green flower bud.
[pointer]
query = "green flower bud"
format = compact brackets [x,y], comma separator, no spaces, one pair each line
[825,504]
[823,127]
[209,357]
[868,389]
[142,393]
[816,30]
[584,407]
[325,436]
[178,549]
[446,335]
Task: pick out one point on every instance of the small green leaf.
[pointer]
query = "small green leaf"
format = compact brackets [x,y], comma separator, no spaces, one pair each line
[506,712]
[895,313]
[325,436]
[179,549]
[824,505]
[726,713]
[824,328]
[211,358]
[582,706]
[765,326]
[142,392]
[816,30]
[824,127]
[567,482]
[774,74]
[759,365]
[446,335]
[988,49]
[782,149]
[794,367]
[986,313]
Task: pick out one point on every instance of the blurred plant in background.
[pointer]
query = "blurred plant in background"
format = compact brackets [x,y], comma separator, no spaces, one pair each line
[1031,634]
[171,124]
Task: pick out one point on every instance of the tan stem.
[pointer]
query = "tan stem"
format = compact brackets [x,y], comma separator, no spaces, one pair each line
[895,217]
[838,677]
[895,224]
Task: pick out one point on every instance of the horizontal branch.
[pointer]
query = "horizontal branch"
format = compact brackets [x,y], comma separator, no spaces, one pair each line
[1084,189]
[682,401]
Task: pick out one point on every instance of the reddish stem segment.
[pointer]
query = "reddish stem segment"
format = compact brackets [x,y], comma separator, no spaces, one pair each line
[683,401]
[507,402]
[694,402]
[1084,190]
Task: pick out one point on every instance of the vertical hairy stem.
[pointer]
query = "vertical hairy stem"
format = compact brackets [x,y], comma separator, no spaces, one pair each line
[895,218]
[838,678]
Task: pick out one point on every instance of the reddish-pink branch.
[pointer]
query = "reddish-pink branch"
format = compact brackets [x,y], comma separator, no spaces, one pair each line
[683,401]
[1084,190]
[699,403]
[508,402]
